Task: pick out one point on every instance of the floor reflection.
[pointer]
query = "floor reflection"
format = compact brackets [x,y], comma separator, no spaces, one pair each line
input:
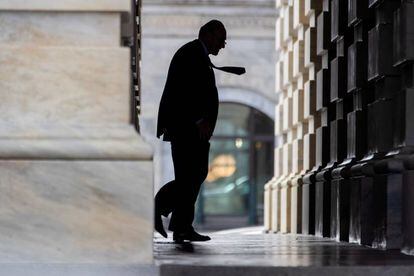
[185,247]
[250,247]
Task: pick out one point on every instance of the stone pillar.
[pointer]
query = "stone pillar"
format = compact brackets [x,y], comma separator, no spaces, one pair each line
[360,149]
[358,187]
[397,217]
[348,83]
[326,113]
[380,178]
[295,123]
[75,177]
[310,119]
[268,206]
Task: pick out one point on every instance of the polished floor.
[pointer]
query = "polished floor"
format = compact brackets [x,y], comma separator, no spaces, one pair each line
[250,252]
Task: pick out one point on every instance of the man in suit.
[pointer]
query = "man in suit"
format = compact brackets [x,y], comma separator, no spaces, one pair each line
[186,118]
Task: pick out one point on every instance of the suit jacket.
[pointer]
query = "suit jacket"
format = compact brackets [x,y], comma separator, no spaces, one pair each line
[190,94]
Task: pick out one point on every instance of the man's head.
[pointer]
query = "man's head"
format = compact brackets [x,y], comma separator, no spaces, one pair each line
[213,34]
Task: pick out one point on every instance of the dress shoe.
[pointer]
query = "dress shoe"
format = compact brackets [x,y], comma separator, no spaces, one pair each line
[159,227]
[180,237]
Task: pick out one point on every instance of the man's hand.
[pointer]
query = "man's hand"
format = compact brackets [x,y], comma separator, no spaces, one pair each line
[204,129]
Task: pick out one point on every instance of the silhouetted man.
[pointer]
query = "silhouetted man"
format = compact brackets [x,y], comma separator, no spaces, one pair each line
[187,117]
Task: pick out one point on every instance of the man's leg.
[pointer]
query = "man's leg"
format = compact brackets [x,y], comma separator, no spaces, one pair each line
[190,167]
[164,199]
[162,206]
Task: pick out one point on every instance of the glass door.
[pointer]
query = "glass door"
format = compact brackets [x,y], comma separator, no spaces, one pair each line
[226,189]
[241,162]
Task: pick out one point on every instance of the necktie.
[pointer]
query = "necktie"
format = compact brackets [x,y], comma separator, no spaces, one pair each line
[229,69]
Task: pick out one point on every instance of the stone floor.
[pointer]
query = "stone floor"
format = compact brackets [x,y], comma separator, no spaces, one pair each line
[248,251]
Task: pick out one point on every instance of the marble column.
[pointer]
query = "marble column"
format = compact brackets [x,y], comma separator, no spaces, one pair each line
[407,214]
[396,168]
[75,176]
[295,122]
[385,83]
[325,106]
[350,82]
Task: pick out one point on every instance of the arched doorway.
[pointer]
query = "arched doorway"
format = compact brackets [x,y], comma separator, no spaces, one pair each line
[241,162]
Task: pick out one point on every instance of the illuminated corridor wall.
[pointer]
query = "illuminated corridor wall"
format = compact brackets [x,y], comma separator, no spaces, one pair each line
[344,125]
[296,116]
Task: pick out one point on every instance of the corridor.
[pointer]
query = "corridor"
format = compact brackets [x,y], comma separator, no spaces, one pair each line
[247,251]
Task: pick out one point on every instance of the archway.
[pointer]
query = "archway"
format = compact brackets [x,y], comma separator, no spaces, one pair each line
[241,162]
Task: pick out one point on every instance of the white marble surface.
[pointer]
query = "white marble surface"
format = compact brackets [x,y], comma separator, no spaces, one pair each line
[79,142]
[243,3]
[51,29]
[77,149]
[66,5]
[79,270]
[249,98]
[61,85]
[75,212]
[76,180]
[174,21]
[41,130]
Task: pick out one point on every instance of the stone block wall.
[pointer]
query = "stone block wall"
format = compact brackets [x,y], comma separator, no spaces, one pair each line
[296,115]
[75,177]
[344,158]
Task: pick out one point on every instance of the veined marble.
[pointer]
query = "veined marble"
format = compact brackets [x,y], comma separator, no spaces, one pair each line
[66,5]
[51,29]
[75,211]
[76,179]
[65,85]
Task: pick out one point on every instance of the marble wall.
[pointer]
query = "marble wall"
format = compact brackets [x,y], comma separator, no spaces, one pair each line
[76,179]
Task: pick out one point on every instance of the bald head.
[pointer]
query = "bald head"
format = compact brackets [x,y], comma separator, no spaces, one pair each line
[213,34]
